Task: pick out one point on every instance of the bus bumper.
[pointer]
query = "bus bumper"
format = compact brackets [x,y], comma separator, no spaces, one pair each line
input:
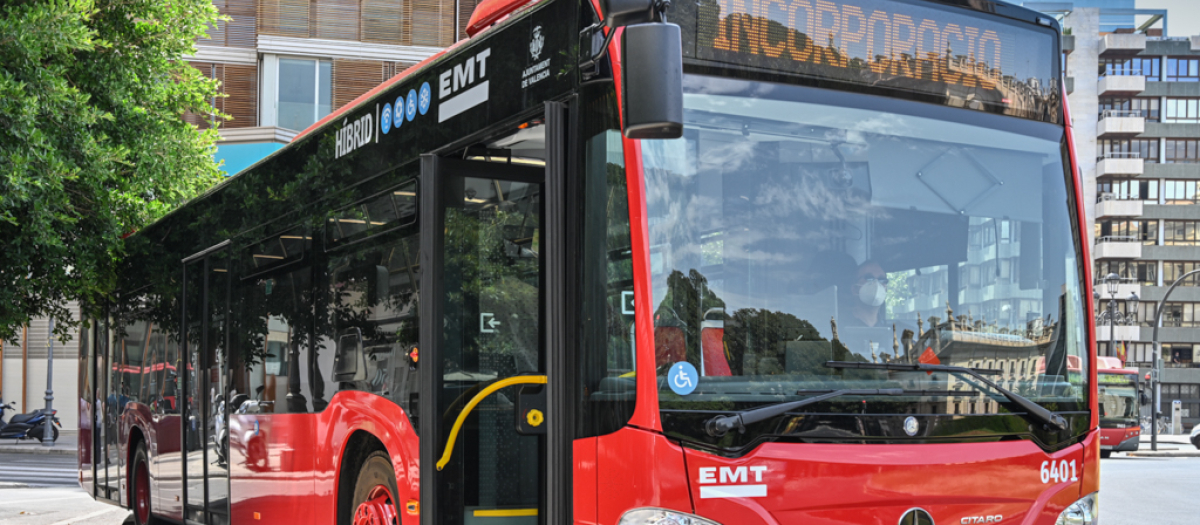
[1129,445]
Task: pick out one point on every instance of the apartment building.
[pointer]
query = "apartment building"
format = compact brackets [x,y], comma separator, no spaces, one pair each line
[284,64]
[1134,96]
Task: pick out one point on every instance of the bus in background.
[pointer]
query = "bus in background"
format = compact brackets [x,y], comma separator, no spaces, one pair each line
[630,262]
[1119,394]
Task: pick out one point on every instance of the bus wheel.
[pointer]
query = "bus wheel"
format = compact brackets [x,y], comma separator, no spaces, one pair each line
[1105,453]
[141,487]
[375,492]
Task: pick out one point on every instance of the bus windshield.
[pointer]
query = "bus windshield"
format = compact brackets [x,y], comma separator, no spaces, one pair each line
[795,226]
[1118,398]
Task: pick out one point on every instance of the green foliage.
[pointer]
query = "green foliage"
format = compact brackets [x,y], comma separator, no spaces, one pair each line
[92,145]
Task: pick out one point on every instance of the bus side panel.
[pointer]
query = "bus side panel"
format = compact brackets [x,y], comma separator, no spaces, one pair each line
[586,494]
[350,411]
[166,467]
[271,468]
[637,468]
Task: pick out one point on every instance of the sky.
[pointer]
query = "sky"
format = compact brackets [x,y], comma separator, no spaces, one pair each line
[1183,16]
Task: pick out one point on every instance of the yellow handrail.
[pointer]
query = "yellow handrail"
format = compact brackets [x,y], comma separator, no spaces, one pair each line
[462,416]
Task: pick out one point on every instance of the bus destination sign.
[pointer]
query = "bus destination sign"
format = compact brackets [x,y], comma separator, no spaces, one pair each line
[966,59]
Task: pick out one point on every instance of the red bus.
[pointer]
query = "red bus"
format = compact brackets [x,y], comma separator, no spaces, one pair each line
[805,262]
[1119,396]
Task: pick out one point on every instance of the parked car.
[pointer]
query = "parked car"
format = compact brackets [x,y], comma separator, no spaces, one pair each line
[1196,436]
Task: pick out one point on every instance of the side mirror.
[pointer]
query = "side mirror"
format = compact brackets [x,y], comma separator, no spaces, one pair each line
[349,363]
[652,80]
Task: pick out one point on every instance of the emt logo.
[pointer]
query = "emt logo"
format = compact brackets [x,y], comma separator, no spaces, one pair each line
[732,482]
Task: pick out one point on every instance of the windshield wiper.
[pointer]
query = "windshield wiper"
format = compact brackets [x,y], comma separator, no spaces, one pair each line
[721,425]
[1033,410]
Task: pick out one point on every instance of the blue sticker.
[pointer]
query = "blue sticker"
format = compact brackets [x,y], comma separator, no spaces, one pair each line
[423,101]
[385,120]
[682,378]
[399,118]
[411,108]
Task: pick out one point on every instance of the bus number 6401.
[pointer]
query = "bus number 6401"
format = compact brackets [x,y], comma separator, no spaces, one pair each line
[1058,471]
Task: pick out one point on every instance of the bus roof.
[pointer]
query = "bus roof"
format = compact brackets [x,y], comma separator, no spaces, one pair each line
[488,14]
[1112,365]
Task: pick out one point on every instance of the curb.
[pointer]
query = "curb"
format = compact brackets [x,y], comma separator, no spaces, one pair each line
[8,485]
[1165,454]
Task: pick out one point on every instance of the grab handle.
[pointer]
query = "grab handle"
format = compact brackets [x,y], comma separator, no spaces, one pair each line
[462,416]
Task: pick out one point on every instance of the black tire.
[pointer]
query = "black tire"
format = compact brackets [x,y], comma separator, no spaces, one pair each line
[376,470]
[39,432]
[141,461]
[1105,454]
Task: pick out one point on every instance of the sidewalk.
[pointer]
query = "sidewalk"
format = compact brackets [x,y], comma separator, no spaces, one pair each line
[1169,446]
[67,445]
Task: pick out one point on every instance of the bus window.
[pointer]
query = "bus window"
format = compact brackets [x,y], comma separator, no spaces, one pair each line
[273,336]
[373,277]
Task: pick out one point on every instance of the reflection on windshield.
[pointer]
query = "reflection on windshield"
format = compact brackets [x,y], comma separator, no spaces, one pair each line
[785,234]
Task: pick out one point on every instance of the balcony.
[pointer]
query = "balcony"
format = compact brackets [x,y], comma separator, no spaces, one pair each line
[1129,83]
[1126,43]
[1118,247]
[1122,332]
[1108,206]
[1119,122]
[1120,164]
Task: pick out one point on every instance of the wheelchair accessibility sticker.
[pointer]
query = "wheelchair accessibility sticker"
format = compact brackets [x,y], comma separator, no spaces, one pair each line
[682,378]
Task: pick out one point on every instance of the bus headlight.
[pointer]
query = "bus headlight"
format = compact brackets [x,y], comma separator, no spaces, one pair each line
[651,516]
[1086,511]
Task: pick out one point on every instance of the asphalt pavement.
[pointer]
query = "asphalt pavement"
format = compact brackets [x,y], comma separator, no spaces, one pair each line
[57,506]
[1149,490]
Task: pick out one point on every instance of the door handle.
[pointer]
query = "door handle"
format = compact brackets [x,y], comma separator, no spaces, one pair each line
[466,411]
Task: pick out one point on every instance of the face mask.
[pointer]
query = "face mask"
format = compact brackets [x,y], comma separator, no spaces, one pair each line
[872,293]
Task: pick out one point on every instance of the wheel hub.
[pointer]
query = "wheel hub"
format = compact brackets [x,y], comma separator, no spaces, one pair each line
[377,509]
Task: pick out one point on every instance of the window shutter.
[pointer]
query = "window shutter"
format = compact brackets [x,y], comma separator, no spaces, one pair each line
[196,119]
[241,83]
[465,8]
[216,30]
[381,21]
[284,18]
[337,19]
[242,31]
[352,78]
[432,22]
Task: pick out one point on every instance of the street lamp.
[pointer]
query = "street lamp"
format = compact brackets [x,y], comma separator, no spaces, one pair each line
[1156,371]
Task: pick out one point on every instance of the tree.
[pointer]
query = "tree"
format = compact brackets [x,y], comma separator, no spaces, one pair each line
[92,144]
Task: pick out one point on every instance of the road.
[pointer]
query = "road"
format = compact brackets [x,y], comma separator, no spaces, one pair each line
[1139,491]
[56,506]
[38,469]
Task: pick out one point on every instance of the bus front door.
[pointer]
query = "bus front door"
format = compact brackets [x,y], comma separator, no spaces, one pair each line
[202,408]
[482,345]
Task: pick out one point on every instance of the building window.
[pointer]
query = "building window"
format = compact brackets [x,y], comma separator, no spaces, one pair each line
[1183,69]
[1129,189]
[1146,107]
[1180,192]
[1145,149]
[1179,315]
[1182,110]
[1183,151]
[1144,273]
[1131,66]
[1173,270]
[1179,233]
[305,92]
[1128,230]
